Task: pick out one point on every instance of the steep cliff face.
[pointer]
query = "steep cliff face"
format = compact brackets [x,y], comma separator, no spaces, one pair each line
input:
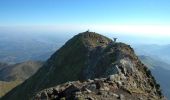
[89,55]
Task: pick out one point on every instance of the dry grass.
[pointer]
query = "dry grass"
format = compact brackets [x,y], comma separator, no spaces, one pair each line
[5,87]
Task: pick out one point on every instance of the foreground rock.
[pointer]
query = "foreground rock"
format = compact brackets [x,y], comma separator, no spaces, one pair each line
[98,89]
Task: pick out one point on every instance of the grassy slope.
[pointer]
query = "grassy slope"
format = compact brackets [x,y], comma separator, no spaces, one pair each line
[7,86]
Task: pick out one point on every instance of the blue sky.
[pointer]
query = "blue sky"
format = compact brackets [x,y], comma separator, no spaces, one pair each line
[33,12]
[146,16]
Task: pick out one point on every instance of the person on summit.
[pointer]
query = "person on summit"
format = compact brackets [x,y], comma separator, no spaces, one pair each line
[114,40]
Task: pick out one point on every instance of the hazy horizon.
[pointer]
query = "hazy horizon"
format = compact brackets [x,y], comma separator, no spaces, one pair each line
[64,36]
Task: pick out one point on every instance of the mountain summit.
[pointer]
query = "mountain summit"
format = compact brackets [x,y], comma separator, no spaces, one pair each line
[86,56]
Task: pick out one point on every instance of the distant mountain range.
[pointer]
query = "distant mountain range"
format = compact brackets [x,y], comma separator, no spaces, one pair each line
[158,52]
[20,47]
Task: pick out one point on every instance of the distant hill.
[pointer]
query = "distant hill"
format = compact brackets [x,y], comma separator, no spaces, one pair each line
[13,74]
[19,71]
[161,74]
[154,62]
[160,52]
[113,67]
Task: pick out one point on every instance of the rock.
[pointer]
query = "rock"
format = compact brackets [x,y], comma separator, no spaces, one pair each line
[106,88]
[115,95]
[99,84]
[123,77]
[88,91]
[69,83]
[44,96]
[134,84]
[111,77]
[117,67]
[49,91]
[128,65]
[71,89]
[119,83]
[140,98]
[96,79]
[55,91]
[78,93]
[102,79]
[91,87]
[122,97]
[37,96]
[89,98]
[89,80]
[103,94]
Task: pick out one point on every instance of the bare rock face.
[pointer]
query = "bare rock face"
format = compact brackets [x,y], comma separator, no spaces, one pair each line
[106,70]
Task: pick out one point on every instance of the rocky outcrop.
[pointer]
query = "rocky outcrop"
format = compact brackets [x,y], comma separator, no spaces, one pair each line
[87,56]
[98,89]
